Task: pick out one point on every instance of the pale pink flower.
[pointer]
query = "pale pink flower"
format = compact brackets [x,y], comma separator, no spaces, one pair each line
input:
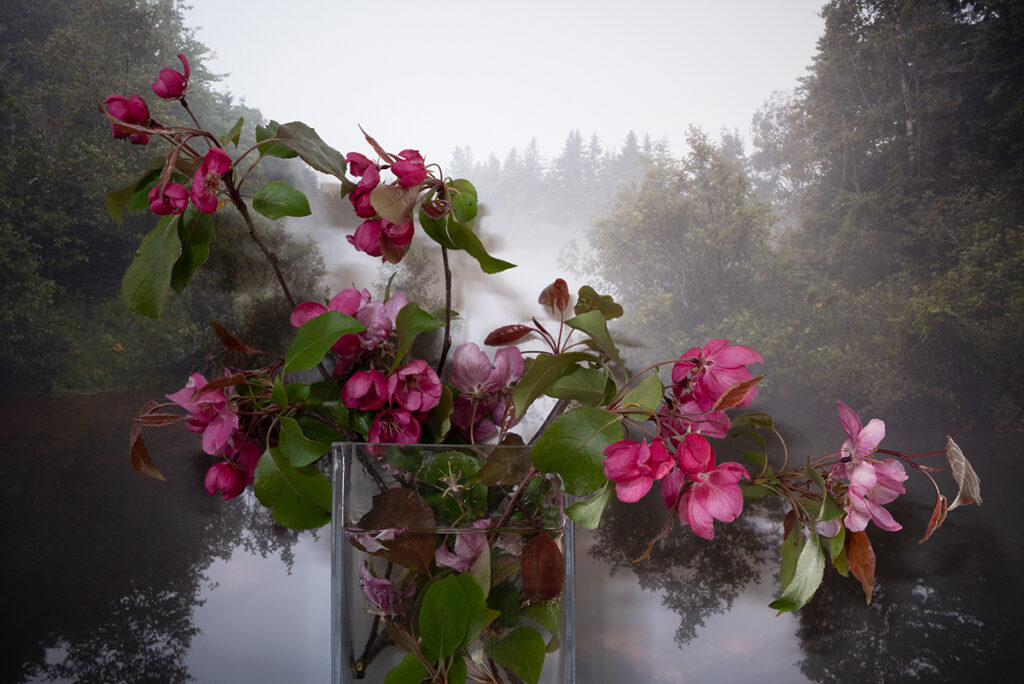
[634,466]
[207,180]
[211,412]
[468,546]
[871,485]
[862,440]
[710,370]
[172,85]
[701,491]
[395,426]
[379,319]
[409,168]
[472,372]
[365,391]
[415,386]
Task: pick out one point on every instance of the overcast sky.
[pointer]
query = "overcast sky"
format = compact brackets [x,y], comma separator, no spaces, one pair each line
[491,75]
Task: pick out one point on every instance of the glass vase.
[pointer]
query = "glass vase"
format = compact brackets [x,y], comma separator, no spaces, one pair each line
[450,563]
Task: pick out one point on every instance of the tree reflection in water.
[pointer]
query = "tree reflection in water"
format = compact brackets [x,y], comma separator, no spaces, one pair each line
[104,568]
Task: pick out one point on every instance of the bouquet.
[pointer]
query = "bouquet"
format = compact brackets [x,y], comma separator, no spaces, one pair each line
[476,604]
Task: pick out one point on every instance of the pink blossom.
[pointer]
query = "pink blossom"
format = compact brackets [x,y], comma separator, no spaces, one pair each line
[348,302]
[634,466]
[409,168]
[372,542]
[130,110]
[395,426]
[415,386]
[472,372]
[708,492]
[173,199]
[382,596]
[358,163]
[862,441]
[379,319]
[172,85]
[360,195]
[365,390]
[710,370]
[381,238]
[207,180]
[687,416]
[871,485]
[232,475]
[211,413]
[468,546]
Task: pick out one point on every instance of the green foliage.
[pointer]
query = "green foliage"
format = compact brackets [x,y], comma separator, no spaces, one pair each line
[573,447]
[300,497]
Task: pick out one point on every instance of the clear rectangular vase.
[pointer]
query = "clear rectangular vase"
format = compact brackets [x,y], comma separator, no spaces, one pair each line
[451,563]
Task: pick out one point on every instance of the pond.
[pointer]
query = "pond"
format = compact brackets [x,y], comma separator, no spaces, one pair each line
[110,576]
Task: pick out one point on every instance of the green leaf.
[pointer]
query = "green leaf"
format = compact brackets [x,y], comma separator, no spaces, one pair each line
[300,497]
[314,151]
[279,395]
[315,338]
[272,149]
[522,651]
[589,386]
[573,446]
[299,449]
[466,240]
[753,420]
[645,395]
[463,199]
[504,598]
[277,199]
[444,617]
[145,283]
[476,604]
[753,492]
[545,613]
[800,579]
[588,512]
[409,671]
[588,300]
[233,135]
[593,323]
[541,375]
[504,467]
[195,231]
[410,322]
[440,420]
[436,230]
[120,200]
[829,510]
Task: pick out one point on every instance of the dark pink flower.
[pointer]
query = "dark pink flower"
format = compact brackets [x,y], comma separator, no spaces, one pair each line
[415,386]
[687,416]
[634,466]
[173,199]
[232,475]
[701,491]
[131,110]
[395,426]
[710,370]
[358,163]
[861,440]
[409,168]
[468,546]
[172,85]
[367,237]
[365,390]
[871,485]
[383,598]
[360,195]
[211,412]
[207,180]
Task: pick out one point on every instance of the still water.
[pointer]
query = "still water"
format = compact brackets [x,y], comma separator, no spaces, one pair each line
[109,576]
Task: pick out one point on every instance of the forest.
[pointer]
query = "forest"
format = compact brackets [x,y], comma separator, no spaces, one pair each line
[867,239]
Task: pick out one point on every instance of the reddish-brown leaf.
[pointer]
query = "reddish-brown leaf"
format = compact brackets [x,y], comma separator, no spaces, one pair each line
[377,148]
[230,341]
[788,523]
[139,457]
[157,419]
[862,560]
[938,516]
[435,209]
[507,334]
[666,527]
[966,479]
[555,295]
[543,569]
[734,396]
[400,508]
[235,379]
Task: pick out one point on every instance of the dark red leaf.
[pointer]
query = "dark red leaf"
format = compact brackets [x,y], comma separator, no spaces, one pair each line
[734,396]
[230,341]
[401,508]
[543,569]
[139,457]
[235,379]
[435,209]
[938,517]
[862,560]
[555,295]
[157,419]
[507,334]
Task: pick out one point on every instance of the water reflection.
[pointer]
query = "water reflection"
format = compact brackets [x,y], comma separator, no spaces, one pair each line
[108,569]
